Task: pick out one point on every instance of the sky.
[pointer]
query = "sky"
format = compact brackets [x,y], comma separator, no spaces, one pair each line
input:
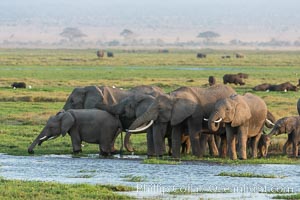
[170,20]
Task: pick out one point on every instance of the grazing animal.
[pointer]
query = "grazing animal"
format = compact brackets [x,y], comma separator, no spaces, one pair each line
[110,54]
[287,86]
[211,80]
[201,55]
[18,85]
[100,53]
[225,56]
[239,55]
[233,78]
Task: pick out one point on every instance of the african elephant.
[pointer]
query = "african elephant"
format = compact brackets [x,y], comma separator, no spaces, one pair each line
[287,86]
[233,78]
[244,117]
[100,53]
[88,125]
[211,80]
[18,85]
[262,87]
[183,109]
[201,55]
[87,97]
[291,126]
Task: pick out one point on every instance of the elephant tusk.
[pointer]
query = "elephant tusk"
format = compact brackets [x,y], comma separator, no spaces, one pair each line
[270,122]
[205,119]
[43,138]
[140,128]
[53,137]
[218,121]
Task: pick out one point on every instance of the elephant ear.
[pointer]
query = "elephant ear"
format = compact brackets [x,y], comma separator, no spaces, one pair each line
[242,113]
[93,95]
[182,109]
[67,120]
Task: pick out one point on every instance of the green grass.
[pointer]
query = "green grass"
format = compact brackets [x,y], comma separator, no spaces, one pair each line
[132,178]
[15,189]
[248,175]
[290,196]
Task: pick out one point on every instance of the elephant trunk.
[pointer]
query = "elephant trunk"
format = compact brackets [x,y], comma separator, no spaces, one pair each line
[214,122]
[38,140]
[126,142]
[149,115]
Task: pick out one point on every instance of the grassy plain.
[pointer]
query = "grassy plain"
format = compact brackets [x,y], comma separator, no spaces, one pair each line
[53,74]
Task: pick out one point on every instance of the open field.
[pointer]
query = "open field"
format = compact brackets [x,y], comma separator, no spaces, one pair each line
[53,74]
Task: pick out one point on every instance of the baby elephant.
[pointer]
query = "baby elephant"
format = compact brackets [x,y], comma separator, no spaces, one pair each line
[88,125]
[291,126]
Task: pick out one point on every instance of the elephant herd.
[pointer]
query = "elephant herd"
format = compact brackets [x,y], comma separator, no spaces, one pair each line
[188,116]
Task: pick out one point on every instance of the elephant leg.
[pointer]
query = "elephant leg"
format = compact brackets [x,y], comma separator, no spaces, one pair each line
[213,149]
[188,146]
[76,141]
[150,143]
[203,144]
[159,132]
[223,146]
[176,141]
[231,141]
[194,128]
[295,149]
[286,145]
[242,142]
[254,145]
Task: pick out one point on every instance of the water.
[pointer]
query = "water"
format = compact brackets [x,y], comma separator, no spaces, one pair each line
[156,179]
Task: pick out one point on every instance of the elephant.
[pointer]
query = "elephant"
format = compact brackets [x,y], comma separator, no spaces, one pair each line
[262,87]
[298,106]
[239,55]
[291,126]
[233,78]
[211,80]
[185,144]
[87,97]
[244,117]
[201,55]
[263,145]
[100,53]
[183,109]
[225,56]
[287,86]
[88,125]
[18,85]
[110,54]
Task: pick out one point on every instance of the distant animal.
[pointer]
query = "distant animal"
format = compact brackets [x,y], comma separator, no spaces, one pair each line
[225,56]
[110,54]
[100,53]
[239,55]
[287,86]
[163,51]
[211,80]
[233,78]
[18,85]
[201,55]
[262,87]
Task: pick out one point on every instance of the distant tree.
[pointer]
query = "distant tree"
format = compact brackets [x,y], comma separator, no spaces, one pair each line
[127,34]
[72,33]
[208,35]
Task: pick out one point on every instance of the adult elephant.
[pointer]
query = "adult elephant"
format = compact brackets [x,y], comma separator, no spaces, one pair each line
[244,117]
[87,97]
[184,109]
[89,125]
